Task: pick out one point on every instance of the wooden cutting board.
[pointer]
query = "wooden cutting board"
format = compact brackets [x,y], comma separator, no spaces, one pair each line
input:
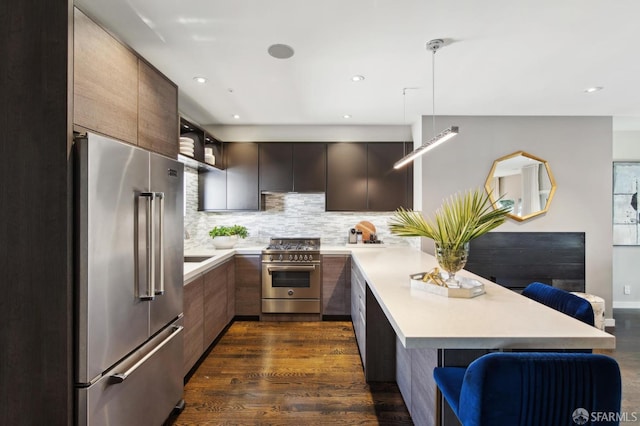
[367,229]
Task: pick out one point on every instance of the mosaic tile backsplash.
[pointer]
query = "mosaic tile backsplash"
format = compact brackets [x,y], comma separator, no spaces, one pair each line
[285,215]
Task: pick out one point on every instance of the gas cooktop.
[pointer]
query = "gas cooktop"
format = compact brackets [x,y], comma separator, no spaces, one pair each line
[294,244]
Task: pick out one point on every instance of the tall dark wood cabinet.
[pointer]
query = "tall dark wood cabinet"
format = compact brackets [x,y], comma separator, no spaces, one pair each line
[346,176]
[241,159]
[36,251]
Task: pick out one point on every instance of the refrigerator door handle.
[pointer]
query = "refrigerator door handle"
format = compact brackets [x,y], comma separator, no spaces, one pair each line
[121,377]
[160,289]
[150,243]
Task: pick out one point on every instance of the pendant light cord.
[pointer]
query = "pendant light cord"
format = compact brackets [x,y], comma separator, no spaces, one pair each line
[433,92]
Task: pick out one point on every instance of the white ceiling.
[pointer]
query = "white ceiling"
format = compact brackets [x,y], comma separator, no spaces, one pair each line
[502,57]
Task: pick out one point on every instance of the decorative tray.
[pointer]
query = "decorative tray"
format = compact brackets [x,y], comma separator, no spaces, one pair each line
[433,283]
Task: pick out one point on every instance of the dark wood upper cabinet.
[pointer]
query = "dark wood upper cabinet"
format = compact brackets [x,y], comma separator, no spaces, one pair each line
[346,176]
[118,94]
[157,112]
[293,166]
[309,167]
[361,177]
[241,160]
[387,187]
[212,190]
[105,82]
[276,167]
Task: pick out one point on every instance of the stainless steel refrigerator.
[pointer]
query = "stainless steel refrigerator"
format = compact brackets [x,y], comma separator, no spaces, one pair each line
[129,273]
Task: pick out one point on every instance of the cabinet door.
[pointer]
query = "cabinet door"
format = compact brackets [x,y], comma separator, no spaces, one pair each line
[386,186]
[105,82]
[193,323]
[157,112]
[212,190]
[346,176]
[248,285]
[215,303]
[242,176]
[231,290]
[276,167]
[309,167]
[336,294]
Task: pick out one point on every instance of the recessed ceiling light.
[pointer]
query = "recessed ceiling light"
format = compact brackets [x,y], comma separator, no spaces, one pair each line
[236,116]
[357,78]
[346,116]
[200,79]
[593,89]
[280,51]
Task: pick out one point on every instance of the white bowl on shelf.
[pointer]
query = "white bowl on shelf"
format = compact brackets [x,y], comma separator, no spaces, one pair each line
[210,159]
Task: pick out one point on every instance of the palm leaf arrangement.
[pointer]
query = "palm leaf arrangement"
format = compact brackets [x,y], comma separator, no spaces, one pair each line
[460,219]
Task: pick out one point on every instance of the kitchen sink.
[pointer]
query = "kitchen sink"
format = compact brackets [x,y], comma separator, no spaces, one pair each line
[196,259]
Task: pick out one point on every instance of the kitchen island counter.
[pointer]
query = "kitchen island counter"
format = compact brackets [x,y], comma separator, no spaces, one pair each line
[499,319]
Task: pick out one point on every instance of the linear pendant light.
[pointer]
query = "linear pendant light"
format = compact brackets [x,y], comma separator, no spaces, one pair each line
[443,136]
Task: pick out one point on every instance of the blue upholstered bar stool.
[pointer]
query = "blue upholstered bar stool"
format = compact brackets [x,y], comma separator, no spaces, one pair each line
[561,300]
[533,389]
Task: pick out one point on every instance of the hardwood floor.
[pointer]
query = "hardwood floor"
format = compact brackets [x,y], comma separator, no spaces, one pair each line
[293,373]
[309,373]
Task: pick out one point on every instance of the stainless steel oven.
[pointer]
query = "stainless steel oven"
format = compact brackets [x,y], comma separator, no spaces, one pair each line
[291,276]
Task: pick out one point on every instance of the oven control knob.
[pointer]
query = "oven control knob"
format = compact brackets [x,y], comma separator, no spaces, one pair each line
[295,257]
[306,257]
[290,292]
[290,257]
[280,257]
[270,258]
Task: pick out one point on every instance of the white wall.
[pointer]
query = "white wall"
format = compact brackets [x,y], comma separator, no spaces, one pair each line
[626,147]
[579,152]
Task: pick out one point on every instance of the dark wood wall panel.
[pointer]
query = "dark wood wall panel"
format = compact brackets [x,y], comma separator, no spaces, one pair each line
[515,259]
[35,217]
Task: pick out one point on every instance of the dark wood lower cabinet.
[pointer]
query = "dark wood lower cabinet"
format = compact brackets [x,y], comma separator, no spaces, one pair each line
[231,289]
[336,285]
[215,303]
[374,334]
[193,323]
[206,311]
[248,274]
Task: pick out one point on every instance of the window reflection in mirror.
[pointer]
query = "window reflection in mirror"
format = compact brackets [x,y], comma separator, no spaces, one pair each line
[522,182]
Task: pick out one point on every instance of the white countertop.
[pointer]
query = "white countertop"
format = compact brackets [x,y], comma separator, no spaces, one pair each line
[500,318]
[194,269]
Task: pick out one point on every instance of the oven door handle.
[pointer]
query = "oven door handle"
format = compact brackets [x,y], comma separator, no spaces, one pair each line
[300,268]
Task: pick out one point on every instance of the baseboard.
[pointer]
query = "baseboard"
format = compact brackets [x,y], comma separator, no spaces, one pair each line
[626,305]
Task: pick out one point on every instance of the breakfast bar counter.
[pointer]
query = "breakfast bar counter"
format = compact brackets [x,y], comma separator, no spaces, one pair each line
[498,319]
[404,333]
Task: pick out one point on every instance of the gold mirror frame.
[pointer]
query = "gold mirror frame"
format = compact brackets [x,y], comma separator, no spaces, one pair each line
[518,161]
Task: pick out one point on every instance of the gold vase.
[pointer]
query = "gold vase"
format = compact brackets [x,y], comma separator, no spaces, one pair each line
[451,260]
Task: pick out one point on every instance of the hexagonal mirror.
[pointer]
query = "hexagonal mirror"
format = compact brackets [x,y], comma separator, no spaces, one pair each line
[522,182]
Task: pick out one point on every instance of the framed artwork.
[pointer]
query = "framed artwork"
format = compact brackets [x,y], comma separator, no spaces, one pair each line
[626,223]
